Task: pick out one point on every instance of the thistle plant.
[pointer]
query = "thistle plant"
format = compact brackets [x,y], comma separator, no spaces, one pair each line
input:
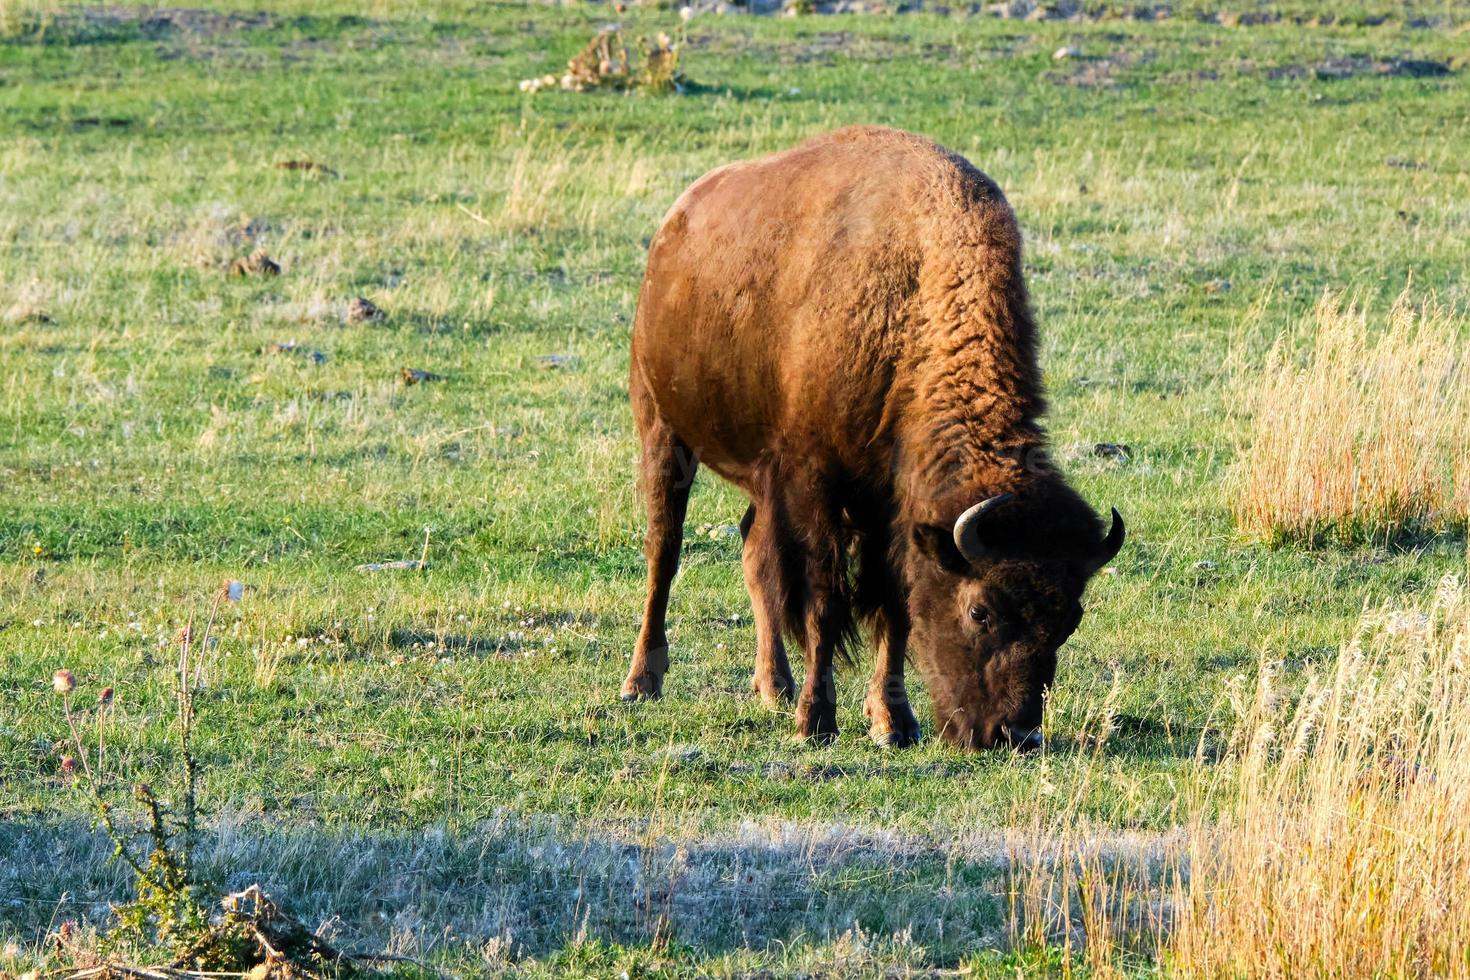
[167,911]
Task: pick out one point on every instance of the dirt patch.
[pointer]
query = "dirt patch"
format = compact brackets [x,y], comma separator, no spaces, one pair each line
[825,48]
[155,22]
[364,310]
[1074,11]
[310,166]
[101,122]
[1336,69]
[1099,72]
[257,263]
[414,376]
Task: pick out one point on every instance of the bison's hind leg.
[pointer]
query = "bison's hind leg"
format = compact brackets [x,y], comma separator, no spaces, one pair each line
[666,474]
[761,558]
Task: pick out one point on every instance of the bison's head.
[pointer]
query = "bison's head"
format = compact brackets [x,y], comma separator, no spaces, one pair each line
[992,597]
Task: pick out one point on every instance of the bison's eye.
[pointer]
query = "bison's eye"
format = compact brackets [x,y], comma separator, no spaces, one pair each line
[980,616]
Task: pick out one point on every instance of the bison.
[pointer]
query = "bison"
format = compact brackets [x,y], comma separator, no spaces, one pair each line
[842,331]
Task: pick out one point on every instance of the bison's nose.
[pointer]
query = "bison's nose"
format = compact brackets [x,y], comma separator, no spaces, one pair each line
[1022,739]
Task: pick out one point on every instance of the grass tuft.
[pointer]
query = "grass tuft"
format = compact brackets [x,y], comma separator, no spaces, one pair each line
[1330,838]
[1369,436]
[26,19]
[1347,842]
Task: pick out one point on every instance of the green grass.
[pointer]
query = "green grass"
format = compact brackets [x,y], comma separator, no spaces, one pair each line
[149,450]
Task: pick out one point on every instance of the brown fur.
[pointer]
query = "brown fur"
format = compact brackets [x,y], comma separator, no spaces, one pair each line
[842,331]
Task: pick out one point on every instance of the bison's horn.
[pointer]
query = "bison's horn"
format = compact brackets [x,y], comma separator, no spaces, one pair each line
[970,541]
[967,528]
[1110,544]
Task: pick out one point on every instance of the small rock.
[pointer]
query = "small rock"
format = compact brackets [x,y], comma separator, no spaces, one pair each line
[308,165]
[362,310]
[413,376]
[21,315]
[257,263]
[679,754]
[1204,566]
[1062,54]
[556,360]
[1112,450]
[724,531]
[291,347]
[1217,286]
[823,773]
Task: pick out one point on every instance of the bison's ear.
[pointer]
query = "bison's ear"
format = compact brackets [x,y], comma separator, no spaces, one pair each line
[936,543]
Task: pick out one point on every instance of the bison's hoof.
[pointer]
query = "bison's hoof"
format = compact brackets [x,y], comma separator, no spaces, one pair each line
[889,738]
[816,723]
[642,687]
[775,691]
[893,726]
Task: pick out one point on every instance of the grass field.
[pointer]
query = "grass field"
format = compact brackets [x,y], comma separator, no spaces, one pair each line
[439,758]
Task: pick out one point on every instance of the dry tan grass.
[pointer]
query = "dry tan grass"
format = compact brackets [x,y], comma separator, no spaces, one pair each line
[21,18]
[1079,887]
[1345,850]
[1333,839]
[1369,436]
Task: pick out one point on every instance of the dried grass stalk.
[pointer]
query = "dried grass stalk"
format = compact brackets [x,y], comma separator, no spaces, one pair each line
[1366,438]
[1331,839]
[1345,850]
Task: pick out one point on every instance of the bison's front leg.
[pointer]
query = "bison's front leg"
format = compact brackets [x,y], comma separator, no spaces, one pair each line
[891,719]
[816,708]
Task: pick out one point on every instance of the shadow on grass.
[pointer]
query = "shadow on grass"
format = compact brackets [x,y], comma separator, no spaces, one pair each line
[502,645]
[1378,538]
[1136,738]
[531,888]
